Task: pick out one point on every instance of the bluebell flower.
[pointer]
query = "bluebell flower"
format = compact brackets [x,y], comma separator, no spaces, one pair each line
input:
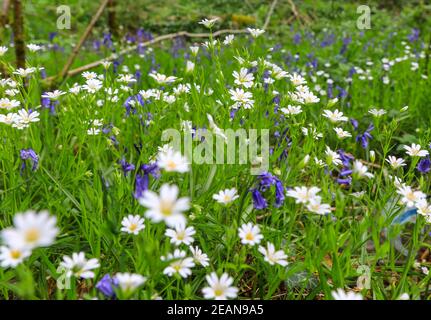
[259,202]
[127,167]
[29,154]
[265,182]
[142,181]
[106,286]
[414,35]
[424,166]
[363,138]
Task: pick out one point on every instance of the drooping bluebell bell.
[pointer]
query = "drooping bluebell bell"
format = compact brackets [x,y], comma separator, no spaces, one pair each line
[142,181]
[363,138]
[49,104]
[265,181]
[346,42]
[107,285]
[414,35]
[127,167]
[424,165]
[259,202]
[297,38]
[29,154]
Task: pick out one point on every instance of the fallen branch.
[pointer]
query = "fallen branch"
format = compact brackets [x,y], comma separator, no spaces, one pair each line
[84,37]
[132,48]
[269,14]
[301,18]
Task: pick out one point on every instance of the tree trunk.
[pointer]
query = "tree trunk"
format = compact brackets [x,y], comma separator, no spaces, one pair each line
[4,16]
[18,34]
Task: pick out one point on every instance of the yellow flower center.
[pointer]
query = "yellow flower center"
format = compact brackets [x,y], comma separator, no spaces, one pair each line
[166,208]
[181,235]
[249,236]
[32,235]
[218,292]
[133,227]
[171,165]
[15,254]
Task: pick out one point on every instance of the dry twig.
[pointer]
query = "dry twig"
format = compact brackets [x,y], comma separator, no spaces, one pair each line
[84,37]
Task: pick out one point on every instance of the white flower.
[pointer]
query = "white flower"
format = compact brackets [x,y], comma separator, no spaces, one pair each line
[93,131]
[415,151]
[208,23]
[89,75]
[408,196]
[24,72]
[242,98]
[106,64]
[79,266]
[315,206]
[332,157]
[250,234]
[92,85]
[181,234]
[291,110]
[34,47]
[360,170]
[309,97]
[228,39]
[340,294]
[303,194]
[172,161]
[278,73]
[31,230]
[395,162]
[8,104]
[243,78]
[423,207]
[297,79]
[132,224]
[194,50]
[11,257]
[335,116]
[3,50]
[273,257]
[190,66]
[129,282]
[53,95]
[377,112]
[341,134]
[199,257]
[166,206]
[226,196]
[9,119]
[161,78]
[404,296]
[75,89]
[126,78]
[180,264]
[219,288]
[255,32]
[311,131]
[23,118]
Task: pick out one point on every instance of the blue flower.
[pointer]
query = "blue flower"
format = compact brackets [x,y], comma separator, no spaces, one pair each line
[259,202]
[142,181]
[127,167]
[106,286]
[30,154]
[424,166]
